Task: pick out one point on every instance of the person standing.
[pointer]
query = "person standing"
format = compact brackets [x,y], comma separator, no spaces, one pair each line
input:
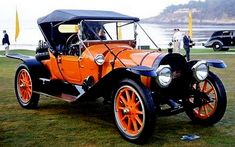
[176,40]
[187,41]
[6,42]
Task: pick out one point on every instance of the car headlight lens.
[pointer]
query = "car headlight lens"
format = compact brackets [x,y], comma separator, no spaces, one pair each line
[164,76]
[200,70]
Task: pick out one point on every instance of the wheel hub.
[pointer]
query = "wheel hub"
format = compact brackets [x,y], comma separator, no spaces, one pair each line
[126,111]
[22,85]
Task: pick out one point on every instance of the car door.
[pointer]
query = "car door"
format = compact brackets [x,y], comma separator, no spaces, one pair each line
[70,68]
[233,38]
[226,38]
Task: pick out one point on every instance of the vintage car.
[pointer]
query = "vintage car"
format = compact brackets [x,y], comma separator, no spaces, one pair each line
[79,62]
[221,40]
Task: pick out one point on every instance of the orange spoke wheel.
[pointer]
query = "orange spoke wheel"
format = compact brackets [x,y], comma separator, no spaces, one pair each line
[24,88]
[129,110]
[212,109]
[208,109]
[134,111]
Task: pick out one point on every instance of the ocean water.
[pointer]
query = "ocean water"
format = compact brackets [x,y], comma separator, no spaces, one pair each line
[161,34]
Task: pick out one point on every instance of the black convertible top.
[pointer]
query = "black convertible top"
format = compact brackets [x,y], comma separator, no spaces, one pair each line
[49,23]
[71,15]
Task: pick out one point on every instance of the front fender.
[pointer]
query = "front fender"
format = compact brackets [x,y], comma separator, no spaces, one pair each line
[216,63]
[103,86]
[143,71]
[211,62]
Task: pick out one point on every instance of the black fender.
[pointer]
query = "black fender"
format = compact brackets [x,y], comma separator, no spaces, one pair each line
[133,72]
[35,67]
[210,62]
[143,71]
[211,42]
[104,87]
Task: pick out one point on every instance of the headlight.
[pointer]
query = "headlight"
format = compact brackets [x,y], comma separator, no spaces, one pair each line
[164,76]
[200,70]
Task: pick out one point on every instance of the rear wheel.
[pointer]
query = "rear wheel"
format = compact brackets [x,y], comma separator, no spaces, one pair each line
[24,88]
[212,111]
[134,111]
[217,46]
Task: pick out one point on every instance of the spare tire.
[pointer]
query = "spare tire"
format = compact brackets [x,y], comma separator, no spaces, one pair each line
[41,50]
[42,56]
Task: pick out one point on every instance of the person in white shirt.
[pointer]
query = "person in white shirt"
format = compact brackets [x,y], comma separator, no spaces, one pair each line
[177,37]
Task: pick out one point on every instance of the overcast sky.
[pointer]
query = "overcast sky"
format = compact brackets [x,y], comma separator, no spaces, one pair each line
[30,10]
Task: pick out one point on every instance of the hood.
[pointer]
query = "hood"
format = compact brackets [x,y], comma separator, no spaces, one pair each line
[126,55]
[133,57]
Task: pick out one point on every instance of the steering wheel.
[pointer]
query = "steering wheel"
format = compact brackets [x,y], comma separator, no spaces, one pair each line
[72,41]
[73,44]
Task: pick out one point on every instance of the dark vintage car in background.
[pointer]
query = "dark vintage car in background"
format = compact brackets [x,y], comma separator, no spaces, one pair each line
[221,40]
[76,62]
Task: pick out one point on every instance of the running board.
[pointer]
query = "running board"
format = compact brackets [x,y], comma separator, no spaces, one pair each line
[63,96]
[65,91]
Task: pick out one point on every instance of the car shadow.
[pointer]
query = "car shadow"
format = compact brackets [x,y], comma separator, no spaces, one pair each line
[167,129]
[95,109]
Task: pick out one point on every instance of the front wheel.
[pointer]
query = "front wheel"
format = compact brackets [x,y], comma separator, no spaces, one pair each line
[134,111]
[212,111]
[24,88]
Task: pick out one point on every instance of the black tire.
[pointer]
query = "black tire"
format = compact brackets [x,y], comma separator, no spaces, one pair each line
[24,86]
[210,113]
[134,116]
[217,46]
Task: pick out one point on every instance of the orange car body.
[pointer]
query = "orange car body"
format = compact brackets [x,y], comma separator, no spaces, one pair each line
[74,69]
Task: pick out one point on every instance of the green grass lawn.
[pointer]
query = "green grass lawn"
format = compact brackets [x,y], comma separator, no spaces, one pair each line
[24,52]
[57,123]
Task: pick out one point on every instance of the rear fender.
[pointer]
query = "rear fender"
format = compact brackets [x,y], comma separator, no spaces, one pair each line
[211,42]
[35,67]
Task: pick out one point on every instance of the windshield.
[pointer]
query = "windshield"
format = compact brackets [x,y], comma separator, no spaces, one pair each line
[117,30]
[108,30]
[76,34]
